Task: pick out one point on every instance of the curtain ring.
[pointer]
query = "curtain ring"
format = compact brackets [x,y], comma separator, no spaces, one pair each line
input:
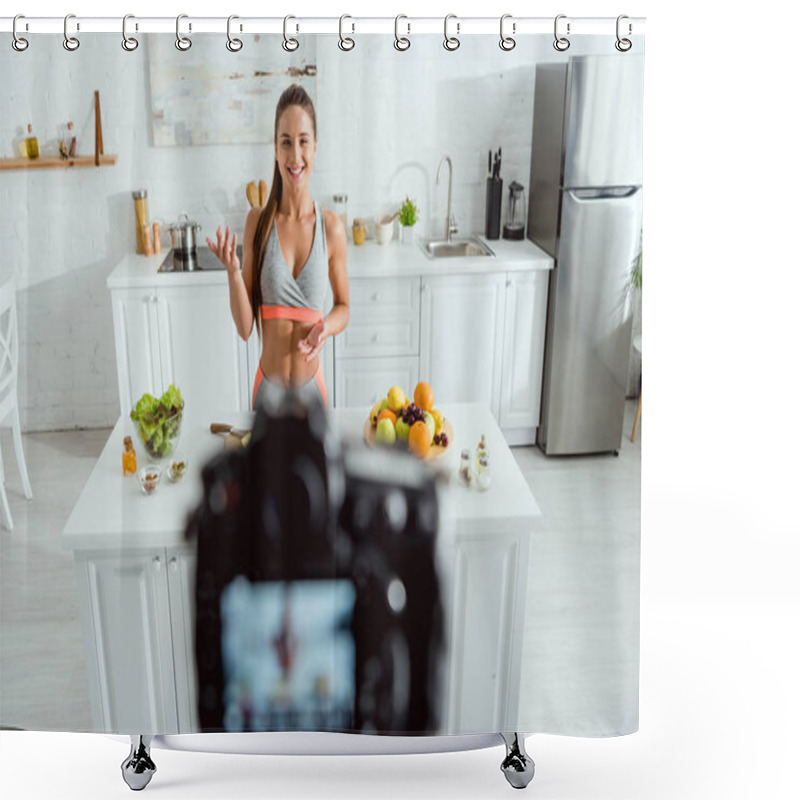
[19,44]
[70,42]
[289,44]
[181,42]
[451,42]
[506,42]
[400,42]
[128,42]
[561,44]
[346,43]
[234,45]
[623,45]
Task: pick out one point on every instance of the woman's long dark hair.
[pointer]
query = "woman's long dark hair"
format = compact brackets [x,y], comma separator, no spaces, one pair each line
[295,95]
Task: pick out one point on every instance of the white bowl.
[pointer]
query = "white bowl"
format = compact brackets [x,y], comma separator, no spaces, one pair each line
[384,231]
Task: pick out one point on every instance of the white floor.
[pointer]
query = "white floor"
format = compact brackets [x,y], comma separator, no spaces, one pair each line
[593,500]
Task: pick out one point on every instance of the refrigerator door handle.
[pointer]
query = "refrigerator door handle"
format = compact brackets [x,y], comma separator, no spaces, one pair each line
[582,195]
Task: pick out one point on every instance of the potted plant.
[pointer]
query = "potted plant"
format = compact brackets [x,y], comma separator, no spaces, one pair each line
[408,219]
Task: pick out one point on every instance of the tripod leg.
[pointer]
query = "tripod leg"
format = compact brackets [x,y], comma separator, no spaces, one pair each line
[518,766]
[138,768]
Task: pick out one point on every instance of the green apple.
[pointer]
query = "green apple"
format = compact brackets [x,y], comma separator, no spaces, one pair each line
[401,429]
[384,433]
[431,423]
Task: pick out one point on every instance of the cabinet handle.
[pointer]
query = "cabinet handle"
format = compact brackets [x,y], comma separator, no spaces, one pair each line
[173,565]
[375,339]
[376,296]
[508,282]
[157,563]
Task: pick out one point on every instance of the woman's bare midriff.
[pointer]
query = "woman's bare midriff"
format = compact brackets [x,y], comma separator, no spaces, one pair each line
[280,358]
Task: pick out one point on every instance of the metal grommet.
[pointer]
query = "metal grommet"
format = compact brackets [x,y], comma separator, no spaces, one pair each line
[506,42]
[70,42]
[234,45]
[451,42]
[289,44]
[561,44]
[400,42]
[19,44]
[345,42]
[181,42]
[128,42]
[623,45]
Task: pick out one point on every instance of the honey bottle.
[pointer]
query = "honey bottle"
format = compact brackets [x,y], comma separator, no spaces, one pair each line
[128,457]
[31,143]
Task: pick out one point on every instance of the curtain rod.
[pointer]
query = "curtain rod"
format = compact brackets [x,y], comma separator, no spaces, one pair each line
[407,25]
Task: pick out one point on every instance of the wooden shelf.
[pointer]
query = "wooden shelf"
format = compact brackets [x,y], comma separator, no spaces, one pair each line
[51,161]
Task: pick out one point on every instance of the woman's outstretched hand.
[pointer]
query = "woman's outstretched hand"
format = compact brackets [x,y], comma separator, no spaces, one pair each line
[312,344]
[225,249]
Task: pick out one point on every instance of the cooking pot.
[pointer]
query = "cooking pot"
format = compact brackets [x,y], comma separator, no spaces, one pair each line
[184,241]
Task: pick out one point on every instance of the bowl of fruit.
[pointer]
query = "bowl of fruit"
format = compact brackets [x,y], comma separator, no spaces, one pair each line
[412,424]
[158,422]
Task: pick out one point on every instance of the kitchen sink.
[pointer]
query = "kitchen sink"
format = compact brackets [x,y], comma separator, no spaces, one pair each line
[455,248]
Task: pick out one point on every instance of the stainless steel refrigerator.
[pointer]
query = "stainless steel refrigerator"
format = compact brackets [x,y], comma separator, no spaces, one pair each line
[586,211]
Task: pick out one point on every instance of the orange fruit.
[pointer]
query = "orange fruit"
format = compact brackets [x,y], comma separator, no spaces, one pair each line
[387,414]
[419,439]
[423,396]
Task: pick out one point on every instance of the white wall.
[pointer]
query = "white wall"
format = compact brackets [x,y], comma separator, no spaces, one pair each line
[385,119]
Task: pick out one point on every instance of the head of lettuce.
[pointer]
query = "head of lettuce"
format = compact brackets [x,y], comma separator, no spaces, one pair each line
[158,421]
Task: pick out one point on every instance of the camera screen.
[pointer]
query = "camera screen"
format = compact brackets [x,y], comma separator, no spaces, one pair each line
[288,655]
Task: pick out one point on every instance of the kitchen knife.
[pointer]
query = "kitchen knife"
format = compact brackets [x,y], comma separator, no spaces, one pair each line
[262,193]
[223,427]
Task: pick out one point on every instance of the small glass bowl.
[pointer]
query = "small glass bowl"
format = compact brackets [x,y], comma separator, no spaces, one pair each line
[177,468]
[149,477]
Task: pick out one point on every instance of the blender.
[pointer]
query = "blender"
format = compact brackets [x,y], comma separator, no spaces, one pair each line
[515,219]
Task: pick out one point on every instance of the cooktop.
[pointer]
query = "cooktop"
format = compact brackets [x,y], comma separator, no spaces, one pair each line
[202,260]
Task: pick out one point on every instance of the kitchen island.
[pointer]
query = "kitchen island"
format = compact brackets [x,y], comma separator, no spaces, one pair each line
[473,327]
[135,575]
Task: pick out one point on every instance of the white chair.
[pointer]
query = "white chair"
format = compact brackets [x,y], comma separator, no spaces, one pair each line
[9,407]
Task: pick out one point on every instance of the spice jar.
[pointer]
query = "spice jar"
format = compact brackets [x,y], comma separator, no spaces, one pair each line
[359,231]
[140,208]
[484,478]
[31,144]
[128,457]
[340,207]
[481,451]
[464,471]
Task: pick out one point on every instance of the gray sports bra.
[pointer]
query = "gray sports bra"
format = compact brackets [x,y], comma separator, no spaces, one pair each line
[280,288]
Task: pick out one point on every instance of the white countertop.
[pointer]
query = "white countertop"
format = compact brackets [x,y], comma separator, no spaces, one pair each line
[112,512]
[369,260]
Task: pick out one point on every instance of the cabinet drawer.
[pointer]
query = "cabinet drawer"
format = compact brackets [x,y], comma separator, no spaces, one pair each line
[361,382]
[384,318]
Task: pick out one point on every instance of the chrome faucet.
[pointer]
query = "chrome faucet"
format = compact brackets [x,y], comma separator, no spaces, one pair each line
[450,226]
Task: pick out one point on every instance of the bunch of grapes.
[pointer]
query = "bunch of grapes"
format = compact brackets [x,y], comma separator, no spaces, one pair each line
[411,414]
[441,438]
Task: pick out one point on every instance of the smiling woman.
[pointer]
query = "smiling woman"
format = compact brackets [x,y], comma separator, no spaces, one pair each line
[292,249]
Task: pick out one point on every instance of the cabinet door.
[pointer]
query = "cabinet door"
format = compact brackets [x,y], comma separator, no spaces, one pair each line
[361,382]
[461,337]
[200,349]
[128,641]
[181,565]
[136,342]
[523,350]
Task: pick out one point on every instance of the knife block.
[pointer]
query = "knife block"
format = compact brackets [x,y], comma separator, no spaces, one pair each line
[494,200]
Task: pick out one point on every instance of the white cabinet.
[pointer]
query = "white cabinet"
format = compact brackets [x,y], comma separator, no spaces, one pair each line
[379,348]
[461,337]
[128,639]
[181,567]
[523,355]
[181,335]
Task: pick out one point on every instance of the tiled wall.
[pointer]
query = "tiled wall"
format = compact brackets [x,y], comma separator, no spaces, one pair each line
[385,119]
